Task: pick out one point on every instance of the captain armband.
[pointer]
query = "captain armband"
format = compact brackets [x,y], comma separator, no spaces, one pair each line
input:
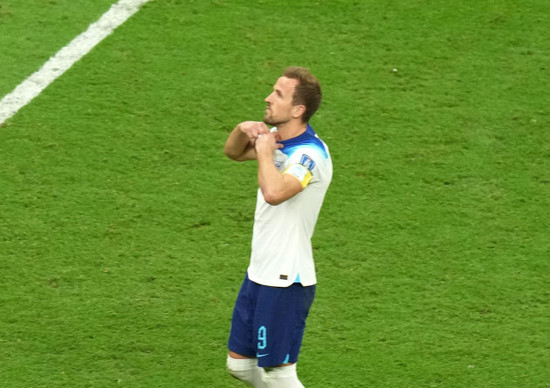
[299,171]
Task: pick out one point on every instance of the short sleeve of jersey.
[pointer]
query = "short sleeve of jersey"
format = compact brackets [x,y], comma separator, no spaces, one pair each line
[301,166]
[301,172]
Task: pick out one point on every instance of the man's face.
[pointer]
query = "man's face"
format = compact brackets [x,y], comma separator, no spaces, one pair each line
[279,103]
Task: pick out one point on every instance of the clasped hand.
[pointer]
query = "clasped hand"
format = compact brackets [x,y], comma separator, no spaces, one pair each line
[267,142]
[259,135]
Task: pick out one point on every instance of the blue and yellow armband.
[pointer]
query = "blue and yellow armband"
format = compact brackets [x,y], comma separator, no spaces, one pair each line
[301,172]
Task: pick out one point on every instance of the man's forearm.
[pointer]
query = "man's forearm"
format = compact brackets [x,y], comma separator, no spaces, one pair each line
[240,143]
[276,187]
[236,143]
[270,179]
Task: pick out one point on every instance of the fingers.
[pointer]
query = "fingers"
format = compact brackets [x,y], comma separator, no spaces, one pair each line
[262,138]
[254,128]
[262,128]
[267,142]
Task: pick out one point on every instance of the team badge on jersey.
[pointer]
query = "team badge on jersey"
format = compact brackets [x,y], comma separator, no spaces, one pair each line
[307,162]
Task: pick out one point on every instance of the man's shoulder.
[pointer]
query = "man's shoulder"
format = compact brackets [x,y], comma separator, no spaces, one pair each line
[309,143]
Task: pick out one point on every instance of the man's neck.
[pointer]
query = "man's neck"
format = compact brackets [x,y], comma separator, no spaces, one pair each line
[291,129]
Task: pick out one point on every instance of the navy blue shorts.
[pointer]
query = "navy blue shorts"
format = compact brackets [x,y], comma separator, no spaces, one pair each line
[269,322]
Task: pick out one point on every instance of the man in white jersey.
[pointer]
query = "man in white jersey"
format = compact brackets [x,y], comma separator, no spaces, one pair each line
[294,172]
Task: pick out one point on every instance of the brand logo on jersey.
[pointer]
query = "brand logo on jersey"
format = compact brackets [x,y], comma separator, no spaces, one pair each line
[307,162]
[279,158]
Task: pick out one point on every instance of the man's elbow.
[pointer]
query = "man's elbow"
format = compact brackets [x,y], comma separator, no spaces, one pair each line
[274,198]
[275,195]
[273,201]
[230,153]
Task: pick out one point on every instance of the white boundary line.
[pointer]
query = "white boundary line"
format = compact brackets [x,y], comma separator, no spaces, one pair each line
[67,56]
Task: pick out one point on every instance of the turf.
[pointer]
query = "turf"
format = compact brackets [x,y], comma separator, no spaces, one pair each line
[125,232]
[33,30]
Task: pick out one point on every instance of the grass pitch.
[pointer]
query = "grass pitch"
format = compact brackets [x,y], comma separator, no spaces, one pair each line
[124,231]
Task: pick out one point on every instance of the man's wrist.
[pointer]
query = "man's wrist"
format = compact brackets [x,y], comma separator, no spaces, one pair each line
[264,153]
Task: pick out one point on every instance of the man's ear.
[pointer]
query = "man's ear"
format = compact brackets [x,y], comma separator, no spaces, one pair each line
[298,110]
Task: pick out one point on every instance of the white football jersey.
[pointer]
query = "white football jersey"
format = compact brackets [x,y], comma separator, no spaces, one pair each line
[281,242]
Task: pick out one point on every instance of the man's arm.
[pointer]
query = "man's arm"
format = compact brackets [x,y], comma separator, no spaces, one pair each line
[240,142]
[276,187]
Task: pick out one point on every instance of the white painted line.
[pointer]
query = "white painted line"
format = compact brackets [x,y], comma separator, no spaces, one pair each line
[67,56]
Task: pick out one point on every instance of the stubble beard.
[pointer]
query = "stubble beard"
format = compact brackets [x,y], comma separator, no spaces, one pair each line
[270,120]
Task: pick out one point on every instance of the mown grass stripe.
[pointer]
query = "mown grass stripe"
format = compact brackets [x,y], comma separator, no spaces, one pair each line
[31,87]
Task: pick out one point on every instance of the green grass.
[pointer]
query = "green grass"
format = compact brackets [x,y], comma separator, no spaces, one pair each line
[125,232]
[31,31]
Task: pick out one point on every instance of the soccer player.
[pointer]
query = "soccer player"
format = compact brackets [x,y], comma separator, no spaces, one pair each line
[294,172]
